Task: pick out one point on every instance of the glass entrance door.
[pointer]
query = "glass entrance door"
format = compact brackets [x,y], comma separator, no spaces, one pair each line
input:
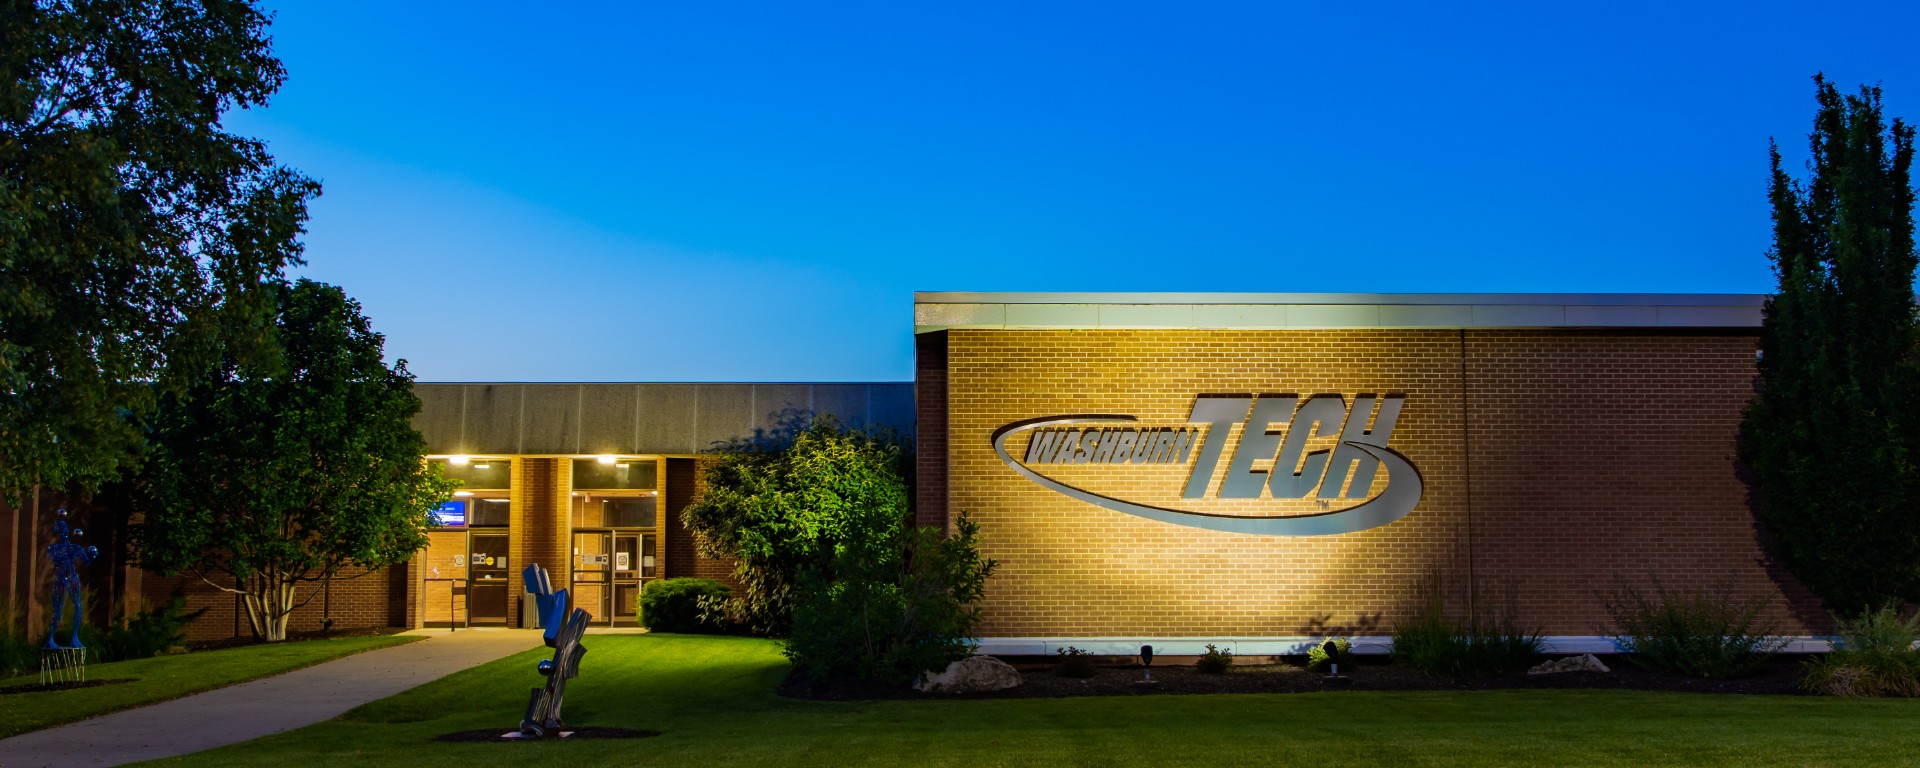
[593,573]
[487,578]
[626,577]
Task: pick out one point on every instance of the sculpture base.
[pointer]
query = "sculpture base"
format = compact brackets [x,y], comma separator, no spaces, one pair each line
[63,666]
[495,735]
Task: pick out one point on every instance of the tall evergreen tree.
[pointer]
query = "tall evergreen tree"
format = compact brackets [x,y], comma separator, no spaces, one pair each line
[1832,438]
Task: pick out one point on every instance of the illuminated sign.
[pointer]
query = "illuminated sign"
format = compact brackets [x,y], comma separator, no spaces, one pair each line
[1271,459]
[452,514]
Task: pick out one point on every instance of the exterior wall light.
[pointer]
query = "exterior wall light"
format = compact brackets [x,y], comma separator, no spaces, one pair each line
[607,459]
[458,461]
[463,493]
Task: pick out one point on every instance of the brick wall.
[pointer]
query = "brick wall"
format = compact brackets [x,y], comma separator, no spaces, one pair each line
[1551,460]
[686,481]
[542,529]
[930,414]
[360,599]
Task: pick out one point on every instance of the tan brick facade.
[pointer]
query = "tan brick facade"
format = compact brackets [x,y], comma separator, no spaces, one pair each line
[1553,461]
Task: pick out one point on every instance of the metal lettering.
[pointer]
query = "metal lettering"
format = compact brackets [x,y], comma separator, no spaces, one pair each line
[1315,419]
[1181,443]
[1109,442]
[1123,448]
[1143,447]
[1350,458]
[1219,414]
[1089,440]
[1040,447]
[1257,443]
[1063,448]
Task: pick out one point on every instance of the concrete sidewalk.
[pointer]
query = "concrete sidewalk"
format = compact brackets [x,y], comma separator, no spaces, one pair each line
[262,707]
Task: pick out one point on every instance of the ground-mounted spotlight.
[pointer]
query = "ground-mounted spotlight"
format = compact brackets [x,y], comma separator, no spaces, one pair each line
[1332,650]
[1146,665]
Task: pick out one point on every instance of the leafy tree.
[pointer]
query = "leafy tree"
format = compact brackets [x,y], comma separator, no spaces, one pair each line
[135,233]
[284,471]
[1832,437]
[783,501]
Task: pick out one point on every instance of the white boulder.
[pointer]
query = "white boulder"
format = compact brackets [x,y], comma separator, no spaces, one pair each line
[974,674]
[1582,663]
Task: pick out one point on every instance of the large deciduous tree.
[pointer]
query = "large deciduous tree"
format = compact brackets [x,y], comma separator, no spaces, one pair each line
[279,472]
[816,518]
[782,502]
[1832,438]
[135,232]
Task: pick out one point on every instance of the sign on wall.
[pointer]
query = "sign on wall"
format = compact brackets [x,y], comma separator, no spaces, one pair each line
[1271,460]
[452,514]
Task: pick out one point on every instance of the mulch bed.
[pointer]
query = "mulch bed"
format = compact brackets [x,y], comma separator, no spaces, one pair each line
[40,688]
[1776,677]
[490,735]
[247,640]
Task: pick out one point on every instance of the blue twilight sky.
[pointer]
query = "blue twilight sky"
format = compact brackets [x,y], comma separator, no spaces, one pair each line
[751,192]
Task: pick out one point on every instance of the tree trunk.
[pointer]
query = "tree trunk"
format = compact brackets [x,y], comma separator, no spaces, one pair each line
[269,601]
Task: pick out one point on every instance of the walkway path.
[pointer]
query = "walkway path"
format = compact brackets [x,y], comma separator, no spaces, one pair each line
[262,707]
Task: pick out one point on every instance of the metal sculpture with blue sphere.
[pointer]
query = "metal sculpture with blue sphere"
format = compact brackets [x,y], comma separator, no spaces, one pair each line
[66,662]
[564,626]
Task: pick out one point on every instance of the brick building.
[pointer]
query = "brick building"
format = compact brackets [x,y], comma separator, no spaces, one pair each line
[1248,470]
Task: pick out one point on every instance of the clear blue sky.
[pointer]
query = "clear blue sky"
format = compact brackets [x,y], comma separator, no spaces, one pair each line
[745,192]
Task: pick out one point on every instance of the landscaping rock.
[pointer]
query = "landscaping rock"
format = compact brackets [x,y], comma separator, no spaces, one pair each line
[1582,663]
[974,674]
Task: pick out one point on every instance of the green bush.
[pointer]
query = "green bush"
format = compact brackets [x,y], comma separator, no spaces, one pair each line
[1215,661]
[1699,633]
[1488,641]
[1318,660]
[897,602]
[674,605]
[18,654]
[1074,662]
[1874,657]
[146,634]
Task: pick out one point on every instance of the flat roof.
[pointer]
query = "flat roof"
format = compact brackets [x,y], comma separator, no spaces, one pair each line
[937,311]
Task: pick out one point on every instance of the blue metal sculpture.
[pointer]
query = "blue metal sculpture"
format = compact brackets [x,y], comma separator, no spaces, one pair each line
[564,629]
[66,662]
[67,557]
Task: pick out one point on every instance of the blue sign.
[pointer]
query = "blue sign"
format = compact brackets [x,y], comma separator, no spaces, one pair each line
[452,514]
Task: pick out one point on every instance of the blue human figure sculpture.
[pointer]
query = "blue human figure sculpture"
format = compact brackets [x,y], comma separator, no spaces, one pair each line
[67,557]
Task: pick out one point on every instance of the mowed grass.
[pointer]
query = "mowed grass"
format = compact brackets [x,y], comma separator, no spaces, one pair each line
[712,697]
[168,677]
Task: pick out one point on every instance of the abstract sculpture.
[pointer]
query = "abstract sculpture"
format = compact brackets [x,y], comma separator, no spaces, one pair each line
[66,662]
[563,632]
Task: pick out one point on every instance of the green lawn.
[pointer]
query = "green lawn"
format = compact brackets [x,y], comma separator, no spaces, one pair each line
[712,698]
[169,677]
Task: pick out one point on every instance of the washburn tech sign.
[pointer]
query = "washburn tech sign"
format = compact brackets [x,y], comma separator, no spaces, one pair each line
[1277,430]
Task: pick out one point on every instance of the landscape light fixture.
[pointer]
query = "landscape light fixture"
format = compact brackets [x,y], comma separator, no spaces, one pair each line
[1146,664]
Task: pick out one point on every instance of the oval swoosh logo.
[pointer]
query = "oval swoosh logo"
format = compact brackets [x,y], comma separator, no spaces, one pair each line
[1401,494]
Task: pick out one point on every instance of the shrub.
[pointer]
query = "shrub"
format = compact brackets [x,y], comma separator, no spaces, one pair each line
[1490,640]
[1074,662]
[1874,657]
[144,635]
[18,655]
[675,605]
[893,606]
[1215,661]
[1318,660]
[1699,633]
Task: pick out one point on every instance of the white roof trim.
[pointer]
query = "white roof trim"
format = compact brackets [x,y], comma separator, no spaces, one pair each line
[1318,311]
